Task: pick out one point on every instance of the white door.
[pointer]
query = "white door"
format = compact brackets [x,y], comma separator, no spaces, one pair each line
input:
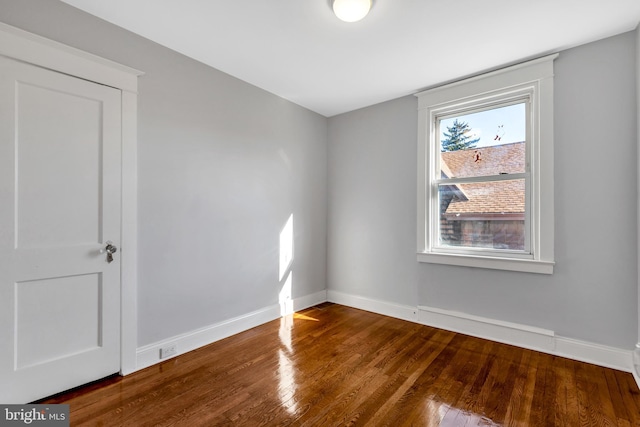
[60,185]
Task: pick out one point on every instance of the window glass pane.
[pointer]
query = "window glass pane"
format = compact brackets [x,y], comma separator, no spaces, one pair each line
[483,215]
[485,143]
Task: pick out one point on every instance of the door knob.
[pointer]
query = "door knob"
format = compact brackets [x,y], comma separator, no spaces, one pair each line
[110,249]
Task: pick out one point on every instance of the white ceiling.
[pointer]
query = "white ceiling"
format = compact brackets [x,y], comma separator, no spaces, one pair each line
[299,50]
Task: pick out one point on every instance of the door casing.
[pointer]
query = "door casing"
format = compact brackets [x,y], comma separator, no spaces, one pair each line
[33,49]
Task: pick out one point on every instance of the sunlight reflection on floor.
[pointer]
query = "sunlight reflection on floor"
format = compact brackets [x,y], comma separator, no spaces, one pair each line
[303,317]
[287,384]
[284,333]
[448,416]
[286,370]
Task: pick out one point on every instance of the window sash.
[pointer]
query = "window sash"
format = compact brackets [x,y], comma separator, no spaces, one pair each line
[480,178]
[436,243]
[504,99]
[479,107]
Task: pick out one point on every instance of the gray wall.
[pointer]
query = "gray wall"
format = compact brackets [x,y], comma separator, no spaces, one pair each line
[222,165]
[372,202]
[591,296]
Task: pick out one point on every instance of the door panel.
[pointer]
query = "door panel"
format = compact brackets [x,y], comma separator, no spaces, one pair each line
[48,178]
[43,308]
[59,203]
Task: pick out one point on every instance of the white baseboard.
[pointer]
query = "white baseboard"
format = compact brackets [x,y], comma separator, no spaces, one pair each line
[495,330]
[597,354]
[404,312]
[309,300]
[149,355]
[636,364]
[525,336]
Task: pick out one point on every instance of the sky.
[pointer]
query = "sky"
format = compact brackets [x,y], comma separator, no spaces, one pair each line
[507,123]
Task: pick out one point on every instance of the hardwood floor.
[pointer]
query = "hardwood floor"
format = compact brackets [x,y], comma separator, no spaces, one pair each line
[332,365]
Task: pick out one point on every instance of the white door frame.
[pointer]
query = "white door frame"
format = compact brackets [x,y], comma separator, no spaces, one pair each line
[33,49]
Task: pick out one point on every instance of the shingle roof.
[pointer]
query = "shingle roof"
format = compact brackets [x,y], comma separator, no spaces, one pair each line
[490,198]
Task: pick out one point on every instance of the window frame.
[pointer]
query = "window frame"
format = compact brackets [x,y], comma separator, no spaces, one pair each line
[532,81]
[518,95]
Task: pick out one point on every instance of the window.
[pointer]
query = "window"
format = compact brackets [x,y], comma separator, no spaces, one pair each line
[485,170]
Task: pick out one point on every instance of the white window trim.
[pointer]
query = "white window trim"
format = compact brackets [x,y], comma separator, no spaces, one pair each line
[537,76]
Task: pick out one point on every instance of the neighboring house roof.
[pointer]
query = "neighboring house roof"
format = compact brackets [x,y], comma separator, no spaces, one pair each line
[499,199]
[454,190]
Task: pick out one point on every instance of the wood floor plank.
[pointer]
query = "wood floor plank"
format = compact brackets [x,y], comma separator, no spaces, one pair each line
[566,390]
[332,365]
[515,413]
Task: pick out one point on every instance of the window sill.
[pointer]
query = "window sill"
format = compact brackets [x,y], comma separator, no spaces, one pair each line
[508,264]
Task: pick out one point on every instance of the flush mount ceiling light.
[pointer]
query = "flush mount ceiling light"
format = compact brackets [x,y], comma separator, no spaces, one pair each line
[351,10]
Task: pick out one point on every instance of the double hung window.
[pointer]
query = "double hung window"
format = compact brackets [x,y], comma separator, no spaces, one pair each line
[485,170]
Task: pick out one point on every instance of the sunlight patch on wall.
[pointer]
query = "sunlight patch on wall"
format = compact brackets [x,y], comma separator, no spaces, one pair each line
[286,246]
[286,302]
[284,333]
[286,260]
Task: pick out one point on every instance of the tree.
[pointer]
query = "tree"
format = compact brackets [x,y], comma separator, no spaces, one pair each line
[458,138]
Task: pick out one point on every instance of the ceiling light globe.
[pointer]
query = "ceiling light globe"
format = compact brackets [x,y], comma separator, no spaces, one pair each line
[351,10]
